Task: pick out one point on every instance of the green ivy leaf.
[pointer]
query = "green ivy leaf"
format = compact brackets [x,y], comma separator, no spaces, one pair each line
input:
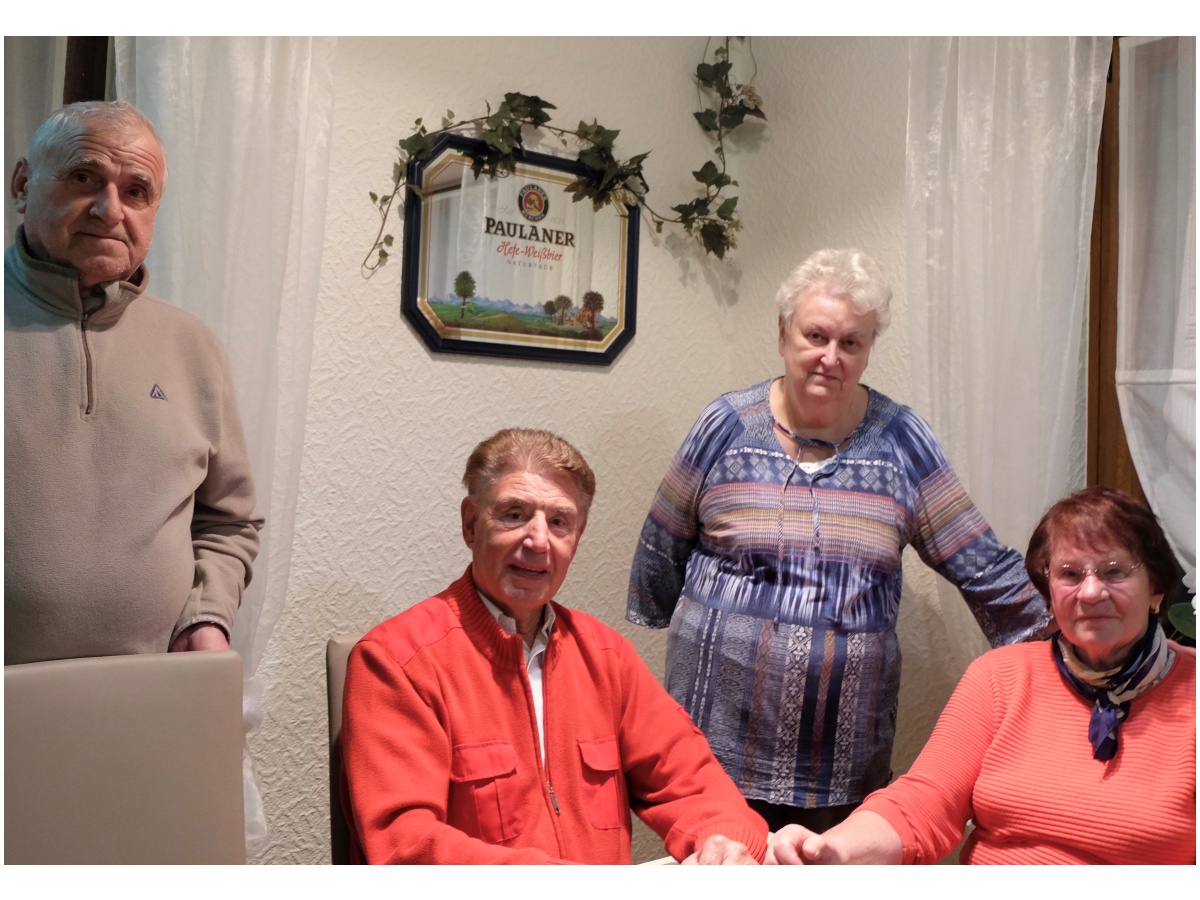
[387,240]
[707,119]
[714,238]
[732,116]
[725,210]
[707,173]
[374,197]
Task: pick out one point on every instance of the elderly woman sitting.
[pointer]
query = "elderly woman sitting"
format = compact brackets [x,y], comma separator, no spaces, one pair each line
[1081,749]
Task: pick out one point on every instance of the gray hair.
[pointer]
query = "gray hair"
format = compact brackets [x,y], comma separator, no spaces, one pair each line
[846,274]
[120,115]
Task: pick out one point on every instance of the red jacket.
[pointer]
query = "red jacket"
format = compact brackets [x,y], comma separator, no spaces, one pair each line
[441,761]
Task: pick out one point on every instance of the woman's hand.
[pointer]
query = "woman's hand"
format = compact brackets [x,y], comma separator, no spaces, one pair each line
[785,846]
[795,845]
[864,838]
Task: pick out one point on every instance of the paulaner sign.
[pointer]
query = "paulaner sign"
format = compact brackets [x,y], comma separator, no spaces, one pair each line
[528,232]
[510,266]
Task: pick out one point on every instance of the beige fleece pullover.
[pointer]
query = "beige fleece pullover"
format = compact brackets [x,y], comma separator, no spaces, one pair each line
[128,500]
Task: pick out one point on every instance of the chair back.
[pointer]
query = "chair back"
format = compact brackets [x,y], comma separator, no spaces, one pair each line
[124,759]
[336,653]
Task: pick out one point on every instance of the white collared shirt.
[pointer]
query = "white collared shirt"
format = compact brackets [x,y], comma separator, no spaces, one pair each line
[534,657]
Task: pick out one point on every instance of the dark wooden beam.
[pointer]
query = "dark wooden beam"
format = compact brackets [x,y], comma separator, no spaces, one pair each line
[1108,459]
[87,69]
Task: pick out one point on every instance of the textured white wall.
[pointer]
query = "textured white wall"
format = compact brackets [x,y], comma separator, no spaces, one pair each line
[390,424]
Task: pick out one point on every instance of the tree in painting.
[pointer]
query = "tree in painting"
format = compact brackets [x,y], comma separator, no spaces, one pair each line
[549,309]
[593,302]
[464,286]
[562,303]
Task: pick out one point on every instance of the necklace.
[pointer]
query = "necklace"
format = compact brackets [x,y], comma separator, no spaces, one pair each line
[811,442]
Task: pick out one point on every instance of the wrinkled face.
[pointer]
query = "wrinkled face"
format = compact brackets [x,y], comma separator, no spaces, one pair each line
[826,348]
[523,534]
[91,204]
[1100,618]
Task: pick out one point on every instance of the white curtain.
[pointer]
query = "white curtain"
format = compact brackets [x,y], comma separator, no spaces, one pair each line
[246,123]
[1003,135]
[1001,170]
[33,88]
[1156,282]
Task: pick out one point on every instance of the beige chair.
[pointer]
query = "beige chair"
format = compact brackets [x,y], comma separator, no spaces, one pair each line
[336,652]
[124,759]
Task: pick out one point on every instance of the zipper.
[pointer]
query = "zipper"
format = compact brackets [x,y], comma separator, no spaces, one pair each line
[87,357]
[545,760]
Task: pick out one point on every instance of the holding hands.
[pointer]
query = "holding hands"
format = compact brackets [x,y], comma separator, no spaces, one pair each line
[864,839]
[719,850]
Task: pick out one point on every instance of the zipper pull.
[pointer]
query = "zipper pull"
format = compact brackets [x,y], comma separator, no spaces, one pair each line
[557,812]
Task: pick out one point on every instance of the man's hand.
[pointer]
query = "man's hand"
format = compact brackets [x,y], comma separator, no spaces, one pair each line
[204,636]
[719,850]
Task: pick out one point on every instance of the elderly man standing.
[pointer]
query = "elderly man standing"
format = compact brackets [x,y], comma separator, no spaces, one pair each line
[129,523]
[488,724]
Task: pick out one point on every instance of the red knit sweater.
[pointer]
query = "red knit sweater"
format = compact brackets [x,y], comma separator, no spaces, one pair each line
[1011,752]
[441,760]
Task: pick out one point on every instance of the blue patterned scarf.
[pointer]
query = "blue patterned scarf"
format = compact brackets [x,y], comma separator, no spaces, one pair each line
[1111,691]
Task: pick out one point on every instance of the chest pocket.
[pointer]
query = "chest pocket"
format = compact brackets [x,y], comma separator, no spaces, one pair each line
[602,789]
[485,799]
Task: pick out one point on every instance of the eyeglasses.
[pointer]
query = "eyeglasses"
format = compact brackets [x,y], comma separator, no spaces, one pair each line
[1072,575]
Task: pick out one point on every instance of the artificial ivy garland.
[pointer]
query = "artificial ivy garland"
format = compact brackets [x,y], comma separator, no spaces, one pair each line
[711,218]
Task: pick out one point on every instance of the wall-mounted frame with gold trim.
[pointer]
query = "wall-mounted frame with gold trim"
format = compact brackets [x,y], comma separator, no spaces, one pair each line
[546,278]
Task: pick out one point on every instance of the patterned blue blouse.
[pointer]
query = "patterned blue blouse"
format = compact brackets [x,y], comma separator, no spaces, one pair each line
[781,590]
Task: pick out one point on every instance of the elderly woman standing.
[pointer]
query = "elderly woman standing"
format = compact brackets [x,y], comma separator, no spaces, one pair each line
[773,546]
[1077,750]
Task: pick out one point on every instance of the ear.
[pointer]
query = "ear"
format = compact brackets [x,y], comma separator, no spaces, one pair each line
[782,336]
[19,184]
[1156,603]
[469,516]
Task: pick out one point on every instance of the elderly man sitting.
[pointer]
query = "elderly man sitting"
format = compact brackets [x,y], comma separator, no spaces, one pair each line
[488,724]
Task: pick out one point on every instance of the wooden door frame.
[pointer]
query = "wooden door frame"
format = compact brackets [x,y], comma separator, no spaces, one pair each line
[1108,460]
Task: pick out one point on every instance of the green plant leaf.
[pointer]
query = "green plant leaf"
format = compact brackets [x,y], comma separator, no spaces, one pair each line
[707,119]
[732,116]
[387,240]
[1183,617]
[725,210]
[714,238]
[707,173]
